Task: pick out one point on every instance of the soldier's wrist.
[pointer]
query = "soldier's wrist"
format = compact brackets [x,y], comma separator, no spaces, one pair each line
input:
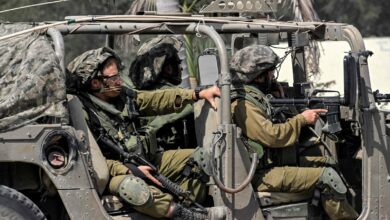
[302,118]
[197,91]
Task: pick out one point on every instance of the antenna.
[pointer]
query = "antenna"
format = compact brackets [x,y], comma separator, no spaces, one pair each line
[33,5]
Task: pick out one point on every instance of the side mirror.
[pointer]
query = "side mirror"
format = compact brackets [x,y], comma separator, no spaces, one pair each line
[350,80]
[208,65]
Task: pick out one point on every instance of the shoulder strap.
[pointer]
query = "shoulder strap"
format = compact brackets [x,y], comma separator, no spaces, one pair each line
[95,120]
[253,95]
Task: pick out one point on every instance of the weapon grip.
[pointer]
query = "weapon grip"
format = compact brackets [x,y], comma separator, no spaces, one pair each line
[172,187]
[142,161]
[332,118]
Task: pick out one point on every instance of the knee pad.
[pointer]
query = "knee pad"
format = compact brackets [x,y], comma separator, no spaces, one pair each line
[203,159]
[332,179]
[135,191]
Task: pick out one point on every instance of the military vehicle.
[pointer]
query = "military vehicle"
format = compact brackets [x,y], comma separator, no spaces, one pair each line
[51,166]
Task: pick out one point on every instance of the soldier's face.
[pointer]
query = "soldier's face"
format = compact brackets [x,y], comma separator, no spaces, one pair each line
[271,75]
[112,82]
[172,71]
[265,80]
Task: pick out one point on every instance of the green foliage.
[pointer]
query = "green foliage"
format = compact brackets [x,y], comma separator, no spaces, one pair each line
[74,45]
[371,17]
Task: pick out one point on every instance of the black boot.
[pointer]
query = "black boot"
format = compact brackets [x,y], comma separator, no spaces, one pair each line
[181,212]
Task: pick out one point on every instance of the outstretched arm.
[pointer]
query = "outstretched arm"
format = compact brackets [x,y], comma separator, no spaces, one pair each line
[259,128]
[171,100]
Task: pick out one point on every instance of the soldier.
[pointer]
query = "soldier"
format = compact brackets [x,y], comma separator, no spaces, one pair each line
[308,141]
[99,89]
[157,66]
[251,69]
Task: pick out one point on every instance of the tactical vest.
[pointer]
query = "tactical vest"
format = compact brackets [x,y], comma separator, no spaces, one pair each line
[103,117]
[257,98]
[271,157]
[253,95]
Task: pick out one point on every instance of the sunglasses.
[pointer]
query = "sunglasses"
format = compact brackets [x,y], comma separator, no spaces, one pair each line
[112,79]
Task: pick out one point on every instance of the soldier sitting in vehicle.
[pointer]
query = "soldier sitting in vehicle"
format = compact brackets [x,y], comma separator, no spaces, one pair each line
[157,66]
[99,89]
[305,151]
[251,67]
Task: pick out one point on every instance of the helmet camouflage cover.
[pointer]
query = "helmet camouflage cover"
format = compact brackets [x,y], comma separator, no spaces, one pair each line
[147,66]
[250,62]
[88,66]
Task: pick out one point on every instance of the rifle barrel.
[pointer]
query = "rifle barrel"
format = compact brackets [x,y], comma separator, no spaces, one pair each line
[328,101]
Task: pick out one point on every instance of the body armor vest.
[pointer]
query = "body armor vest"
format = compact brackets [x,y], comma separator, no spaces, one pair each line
[105,118]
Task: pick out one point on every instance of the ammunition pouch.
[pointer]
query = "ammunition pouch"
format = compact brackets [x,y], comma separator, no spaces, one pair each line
[253,147]
[169,131]
[135,191]
[147,148]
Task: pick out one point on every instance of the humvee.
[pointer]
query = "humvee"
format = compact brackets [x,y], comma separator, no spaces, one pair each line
[51,166]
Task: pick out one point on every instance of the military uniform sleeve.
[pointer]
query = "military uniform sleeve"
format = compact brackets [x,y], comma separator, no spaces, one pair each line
[116,168]
[165,101]
[258,128]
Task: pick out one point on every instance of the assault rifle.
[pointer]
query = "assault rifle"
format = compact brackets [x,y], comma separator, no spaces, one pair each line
[173,188]
[331,103]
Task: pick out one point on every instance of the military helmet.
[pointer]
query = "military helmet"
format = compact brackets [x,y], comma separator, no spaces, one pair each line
[252,61]
[88,66]
[150,60]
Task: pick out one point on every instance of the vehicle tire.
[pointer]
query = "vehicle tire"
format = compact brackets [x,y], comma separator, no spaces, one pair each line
[14,206]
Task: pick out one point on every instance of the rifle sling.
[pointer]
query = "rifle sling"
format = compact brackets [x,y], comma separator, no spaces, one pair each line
[136,171]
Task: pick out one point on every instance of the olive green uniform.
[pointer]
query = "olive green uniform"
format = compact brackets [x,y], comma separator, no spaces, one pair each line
[148,71]
[256,126]
[169,163]
[171,131]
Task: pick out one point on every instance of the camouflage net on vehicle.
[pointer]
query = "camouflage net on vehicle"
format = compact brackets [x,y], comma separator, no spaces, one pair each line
[32,85]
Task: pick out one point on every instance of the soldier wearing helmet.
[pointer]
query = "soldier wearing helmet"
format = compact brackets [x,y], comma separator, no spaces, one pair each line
[157,66]
[97,83]
[252,69]
[268,84]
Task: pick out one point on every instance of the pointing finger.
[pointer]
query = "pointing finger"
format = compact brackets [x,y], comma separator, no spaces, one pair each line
[320,110]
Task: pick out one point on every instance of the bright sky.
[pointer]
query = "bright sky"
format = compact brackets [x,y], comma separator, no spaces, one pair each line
[331,63]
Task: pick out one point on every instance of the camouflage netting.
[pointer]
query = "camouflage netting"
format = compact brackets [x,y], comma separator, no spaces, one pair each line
[32,85]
